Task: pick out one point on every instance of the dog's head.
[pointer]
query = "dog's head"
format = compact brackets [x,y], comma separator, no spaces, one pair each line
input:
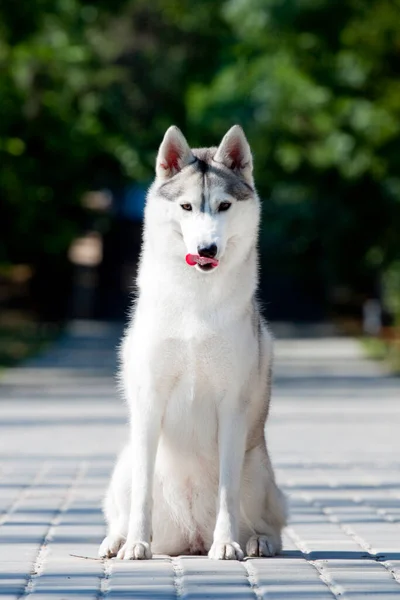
[208,197]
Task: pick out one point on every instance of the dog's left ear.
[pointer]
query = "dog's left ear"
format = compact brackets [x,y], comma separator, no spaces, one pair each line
[234,152]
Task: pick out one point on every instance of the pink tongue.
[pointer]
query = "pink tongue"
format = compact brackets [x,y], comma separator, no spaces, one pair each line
[196,259]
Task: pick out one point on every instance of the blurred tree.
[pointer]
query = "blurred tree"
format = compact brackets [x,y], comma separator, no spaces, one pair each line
[163,47]
[87,90]
[52,135]
[316,86]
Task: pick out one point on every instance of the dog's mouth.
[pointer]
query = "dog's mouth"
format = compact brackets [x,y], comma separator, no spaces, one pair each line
[203,262]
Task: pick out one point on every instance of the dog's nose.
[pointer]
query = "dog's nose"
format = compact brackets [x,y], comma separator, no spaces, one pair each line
[208,251]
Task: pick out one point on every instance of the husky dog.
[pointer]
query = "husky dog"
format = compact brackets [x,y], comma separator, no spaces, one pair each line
[195,477]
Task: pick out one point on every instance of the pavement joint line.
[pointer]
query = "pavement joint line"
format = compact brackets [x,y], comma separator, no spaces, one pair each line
[178,576]
[39,562]
[4,471]
[358,486]
[389,519]
[306,464]
[24,493]
[336,590]
[349,531]
[104,586]
[382,512]
[251,578]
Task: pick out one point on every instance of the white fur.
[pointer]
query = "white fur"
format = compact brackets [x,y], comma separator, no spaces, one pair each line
[195,476]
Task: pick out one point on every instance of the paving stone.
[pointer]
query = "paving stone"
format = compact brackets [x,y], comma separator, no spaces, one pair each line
[334,440]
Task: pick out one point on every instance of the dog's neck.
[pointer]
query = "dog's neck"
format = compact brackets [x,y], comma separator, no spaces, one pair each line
[173,281]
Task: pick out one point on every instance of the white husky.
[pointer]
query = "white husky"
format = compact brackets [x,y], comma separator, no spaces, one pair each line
[196,369]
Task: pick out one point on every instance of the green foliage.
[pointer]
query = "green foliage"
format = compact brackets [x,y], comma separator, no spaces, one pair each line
[391,282]
[53,136]
[87,90]
[316,86]
[21,338]
[387,350]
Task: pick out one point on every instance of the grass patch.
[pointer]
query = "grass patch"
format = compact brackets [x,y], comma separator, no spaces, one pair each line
[384,350]
[22,337]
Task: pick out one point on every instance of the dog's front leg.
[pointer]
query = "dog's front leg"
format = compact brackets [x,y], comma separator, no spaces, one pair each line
[146,414]
[231,445]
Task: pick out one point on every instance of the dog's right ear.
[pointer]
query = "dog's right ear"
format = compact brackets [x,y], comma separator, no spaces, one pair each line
[174,153]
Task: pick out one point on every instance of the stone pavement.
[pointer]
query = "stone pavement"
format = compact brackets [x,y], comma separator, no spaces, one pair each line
[334,436]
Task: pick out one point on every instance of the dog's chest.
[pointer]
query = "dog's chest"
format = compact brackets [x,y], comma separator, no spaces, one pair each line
[190,418]
[199,357]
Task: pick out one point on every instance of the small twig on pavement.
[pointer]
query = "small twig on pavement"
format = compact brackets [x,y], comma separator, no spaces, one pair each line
[86,557]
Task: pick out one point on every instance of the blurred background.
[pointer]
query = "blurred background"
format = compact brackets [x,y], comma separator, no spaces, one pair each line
[87,90]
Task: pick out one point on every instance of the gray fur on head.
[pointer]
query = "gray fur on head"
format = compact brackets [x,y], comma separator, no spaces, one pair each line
[233,153]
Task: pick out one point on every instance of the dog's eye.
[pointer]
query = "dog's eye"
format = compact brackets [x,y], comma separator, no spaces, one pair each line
[224,206]
[186,206]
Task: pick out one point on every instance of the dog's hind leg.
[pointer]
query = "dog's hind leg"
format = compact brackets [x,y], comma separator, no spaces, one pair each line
[116,507]
[263,506]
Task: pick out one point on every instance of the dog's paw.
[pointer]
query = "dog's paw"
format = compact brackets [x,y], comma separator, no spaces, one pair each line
[262,545]
[226,551]
[135,551]
[110,545]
